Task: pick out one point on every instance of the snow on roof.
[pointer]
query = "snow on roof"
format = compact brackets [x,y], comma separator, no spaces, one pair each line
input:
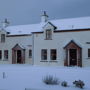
[24,29]
[61,24]
[72,23]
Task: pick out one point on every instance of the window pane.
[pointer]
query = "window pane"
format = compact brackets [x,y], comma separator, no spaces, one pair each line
[6,54]
[88,52]
[44,54]
[53,54]
[2,37]
[48,34]
[0,54]
[30,53]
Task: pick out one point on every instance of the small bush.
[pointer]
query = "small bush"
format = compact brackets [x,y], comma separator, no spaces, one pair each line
[64,84]
[79,83]
[50,80]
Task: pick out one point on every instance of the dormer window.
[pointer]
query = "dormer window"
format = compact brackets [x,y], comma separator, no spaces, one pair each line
[2,37]
[48,34]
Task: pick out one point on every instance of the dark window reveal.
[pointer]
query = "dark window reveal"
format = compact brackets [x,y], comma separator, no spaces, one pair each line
[88,52]
[6,54]
[44,54]
[0,54]
[53,54]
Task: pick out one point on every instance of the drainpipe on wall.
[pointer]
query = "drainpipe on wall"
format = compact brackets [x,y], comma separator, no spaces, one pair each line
[32,49]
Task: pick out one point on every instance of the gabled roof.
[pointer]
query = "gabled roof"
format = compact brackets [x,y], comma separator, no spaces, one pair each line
[18,47]
[50,24]
[2,30]
[61,24]
[72,41]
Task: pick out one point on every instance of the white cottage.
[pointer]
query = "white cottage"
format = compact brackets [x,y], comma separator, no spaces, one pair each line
[64,42]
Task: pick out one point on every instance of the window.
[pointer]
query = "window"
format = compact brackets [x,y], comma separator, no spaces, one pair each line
[48,34]
[88,52]
[0,54]
[53,54]
[44,54]
[2,37]
[30,53]
[5,54]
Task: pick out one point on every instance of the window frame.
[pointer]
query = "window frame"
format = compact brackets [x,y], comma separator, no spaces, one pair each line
[53,54]
[2,38]
[48,34]
[43,54]
[30,53]
[0,54]
[6,54]
[89,53]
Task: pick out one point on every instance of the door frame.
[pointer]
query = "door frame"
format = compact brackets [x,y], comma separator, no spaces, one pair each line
[14,54]
[73,45]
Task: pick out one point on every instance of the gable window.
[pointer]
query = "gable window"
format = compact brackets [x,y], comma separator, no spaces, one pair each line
[2,37]
[53,54]
[89,53]
[6,54]
[44,54]
[30,53]
[0,54]
[48,34]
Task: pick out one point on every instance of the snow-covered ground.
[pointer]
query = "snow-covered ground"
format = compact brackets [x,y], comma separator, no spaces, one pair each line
[19,77]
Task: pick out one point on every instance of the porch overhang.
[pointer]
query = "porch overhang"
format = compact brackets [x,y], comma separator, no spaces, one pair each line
[18,47]
[75,45]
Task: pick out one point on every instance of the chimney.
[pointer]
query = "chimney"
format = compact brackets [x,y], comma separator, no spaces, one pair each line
[5,23]
[44,17]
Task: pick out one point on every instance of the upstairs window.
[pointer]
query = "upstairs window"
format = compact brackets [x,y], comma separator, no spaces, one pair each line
[44,54]
[6,54]
[48,34]
[89,53]
[2,37]
[30,53]
[53,54]
[0,54]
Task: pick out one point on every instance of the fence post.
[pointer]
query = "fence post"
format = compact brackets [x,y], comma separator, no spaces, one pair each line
[4,75]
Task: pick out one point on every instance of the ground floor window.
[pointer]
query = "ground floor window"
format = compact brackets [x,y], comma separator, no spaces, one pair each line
[30,53]
[53,54]
[0,54]
[44,54]
[6,54]
[89,53]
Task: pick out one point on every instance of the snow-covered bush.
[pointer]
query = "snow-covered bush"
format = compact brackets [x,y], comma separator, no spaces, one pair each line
[64,84]
[50,80]
[79,83]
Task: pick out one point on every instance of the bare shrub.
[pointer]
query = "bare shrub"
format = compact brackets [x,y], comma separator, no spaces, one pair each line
[79,83]
[50,80]
[64,84]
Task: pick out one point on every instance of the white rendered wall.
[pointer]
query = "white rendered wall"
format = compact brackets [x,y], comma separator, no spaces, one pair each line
[10,42]
[59,40]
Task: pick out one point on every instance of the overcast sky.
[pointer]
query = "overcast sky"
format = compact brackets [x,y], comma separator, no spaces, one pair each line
[29,11]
